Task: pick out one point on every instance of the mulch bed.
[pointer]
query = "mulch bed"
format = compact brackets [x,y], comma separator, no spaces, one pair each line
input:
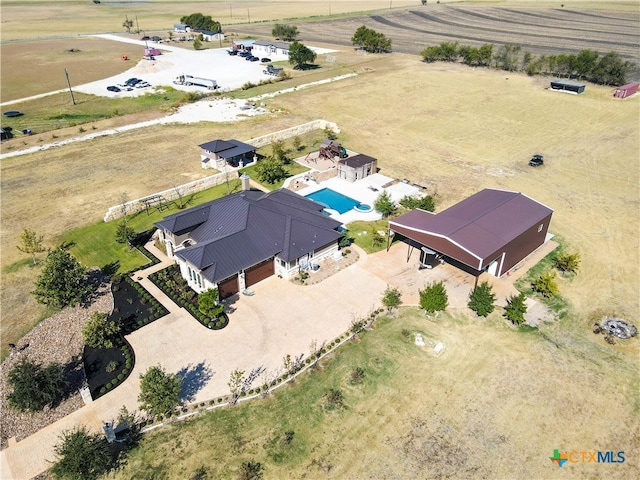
[133,307]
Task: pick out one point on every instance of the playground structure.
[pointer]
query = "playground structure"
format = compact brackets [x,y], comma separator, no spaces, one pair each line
[330,149]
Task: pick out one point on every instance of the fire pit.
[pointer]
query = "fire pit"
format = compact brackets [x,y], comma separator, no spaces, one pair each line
[618,328]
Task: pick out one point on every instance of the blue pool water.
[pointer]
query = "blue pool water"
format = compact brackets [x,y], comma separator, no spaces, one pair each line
[333,200]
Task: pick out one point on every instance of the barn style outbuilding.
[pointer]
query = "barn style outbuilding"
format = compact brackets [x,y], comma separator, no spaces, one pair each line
[567,86]
[491,231]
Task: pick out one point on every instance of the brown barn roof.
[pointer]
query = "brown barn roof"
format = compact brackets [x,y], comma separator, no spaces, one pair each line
[477,226]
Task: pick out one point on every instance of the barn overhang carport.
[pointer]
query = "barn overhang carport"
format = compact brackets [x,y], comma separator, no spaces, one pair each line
[430,256]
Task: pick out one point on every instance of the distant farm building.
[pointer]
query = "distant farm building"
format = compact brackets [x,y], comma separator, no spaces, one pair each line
[181,28]
[209,36]
[266,48]
[357,167]
[567,86]
[491,231]
[218,153]
[242,45]
[626,90]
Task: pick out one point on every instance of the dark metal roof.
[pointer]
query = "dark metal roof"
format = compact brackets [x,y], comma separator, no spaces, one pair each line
[240,230]
[357,160]
[566,82]
[227,148]
[480,224]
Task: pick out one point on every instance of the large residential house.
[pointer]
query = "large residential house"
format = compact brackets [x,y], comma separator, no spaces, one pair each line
[267,48]
[236,241]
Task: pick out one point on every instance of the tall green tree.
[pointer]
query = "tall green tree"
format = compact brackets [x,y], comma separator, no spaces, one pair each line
[284,32]
[81,455]
[63,281]
[423,203]
[434,298]
[198,21]
[127,24]
[159,391]
[125,234]
[100,331]
[197,43]
[508,57]
[301,56]
[34,386]
[370,40]
[270,170]
[31,243]
[384,204]
[482,299]
[516,309]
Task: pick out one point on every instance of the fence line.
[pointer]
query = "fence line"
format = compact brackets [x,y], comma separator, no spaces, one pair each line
[171,194]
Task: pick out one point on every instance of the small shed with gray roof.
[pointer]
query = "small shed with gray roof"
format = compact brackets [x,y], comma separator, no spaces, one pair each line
[492,231]
[217,153]
[236,241]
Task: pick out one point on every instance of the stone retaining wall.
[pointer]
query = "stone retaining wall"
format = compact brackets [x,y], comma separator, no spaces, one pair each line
[139,204]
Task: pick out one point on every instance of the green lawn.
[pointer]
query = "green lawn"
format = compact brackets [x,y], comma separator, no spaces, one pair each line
[95,245]
[292,169]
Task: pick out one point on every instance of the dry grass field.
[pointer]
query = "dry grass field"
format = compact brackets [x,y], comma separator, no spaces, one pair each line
[30,68]
[456,130]
[494,404]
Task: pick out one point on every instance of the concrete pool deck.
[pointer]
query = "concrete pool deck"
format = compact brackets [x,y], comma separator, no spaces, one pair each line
[364,191]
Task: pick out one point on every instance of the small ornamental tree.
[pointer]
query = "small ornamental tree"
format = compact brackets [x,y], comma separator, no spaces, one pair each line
[62,282]
[35,386]
[516,309]
[279,152]
[434,298]
[100,332]
[568,262]
[391,298]
[236,384]
[546,285]
[81,455]
[423,203]
[208,303]
[31,243]
[300,56]
[159,391]
[482,299]
[125,234]
[384,204]
[251,470]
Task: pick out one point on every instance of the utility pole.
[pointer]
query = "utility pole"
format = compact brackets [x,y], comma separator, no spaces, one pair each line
[73,100]
[137,26]
[248,16]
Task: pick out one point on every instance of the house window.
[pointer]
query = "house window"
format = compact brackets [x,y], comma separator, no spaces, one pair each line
[540,227]
[199,281]
[190,273]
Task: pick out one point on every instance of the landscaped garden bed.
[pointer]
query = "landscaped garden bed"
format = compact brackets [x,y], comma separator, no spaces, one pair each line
[170,281]
[133,308]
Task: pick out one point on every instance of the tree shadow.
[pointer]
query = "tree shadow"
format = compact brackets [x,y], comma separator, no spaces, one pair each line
[193,379]
[110,269]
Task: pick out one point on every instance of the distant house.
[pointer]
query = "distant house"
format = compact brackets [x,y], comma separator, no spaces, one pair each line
[357,167]
[209,36]
[181,28]
[236,241]
[491,231]
[241,45]
[266,48]
[217,153]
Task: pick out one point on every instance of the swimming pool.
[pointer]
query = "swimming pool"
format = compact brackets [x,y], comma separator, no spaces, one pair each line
[334,200]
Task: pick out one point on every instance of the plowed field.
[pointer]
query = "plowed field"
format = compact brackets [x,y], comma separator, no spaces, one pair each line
[539,31]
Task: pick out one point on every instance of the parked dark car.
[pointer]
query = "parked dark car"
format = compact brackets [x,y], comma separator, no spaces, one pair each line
[113,88]
[232,52]
[536,161]
[244,53]
[155,38]
[265,60]
[254,59]
[132,82]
